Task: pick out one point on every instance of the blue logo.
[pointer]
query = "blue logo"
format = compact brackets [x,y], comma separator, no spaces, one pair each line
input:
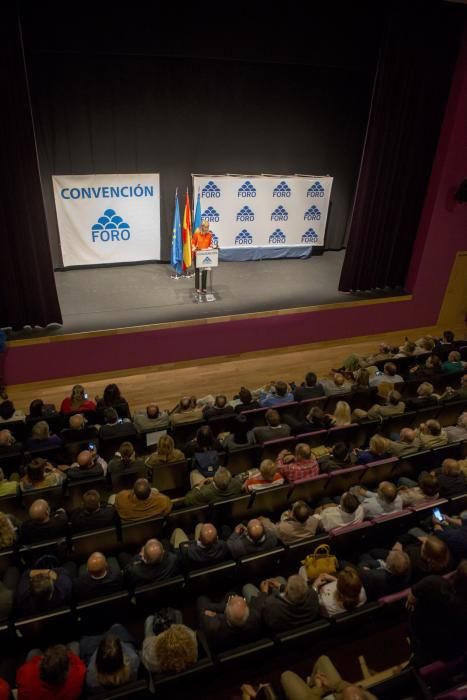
[246,190]
[316,190]
[110,227]
[245,214]
[210,190]
[206,260]
[310,236]
[244,238]
[279,214]
[277,237]
[312,214]
[282,190]
[210,214]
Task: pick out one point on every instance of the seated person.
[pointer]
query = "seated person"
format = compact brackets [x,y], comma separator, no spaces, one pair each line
[152,563]
[244,401]
[348,512]
[338,457]
[9,445]
[115,427]
[431,368]
[57,674]
[42,590]
[453,532]
[205,455]
[220,408]
[315,420]
[141,501]
[186,412]
[336,385]
[8,487]
[458,432]
[98,577]
[309,389]
[152,419]
[165,453]
[42,524]
[450,478]
[297,523]
[341,593]
[283,604]
[171,651]
[251,539]
[384,500]
[8,531]
[299,465]
[112,398]
[205,550]
[425,397]
[427,554]
[393,406]
[111,659]
[273,428]
[240,436]
[125,461]
[228,624]
[88,465]
[431,435]
[41,437]
[384,573]
[40,474]
[407,444]
[221,486]
[342,414]
[361,382]
[453,363]
[77,401]
[451,394]
[412,493]
[263,478]
[93,514]
[324,682]
[79,430]
[388,375]
[9,414]
[275,394]
[39,409]
[376,451]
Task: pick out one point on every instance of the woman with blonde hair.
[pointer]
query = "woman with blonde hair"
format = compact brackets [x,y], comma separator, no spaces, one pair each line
[342,414]
[339,594]
[377,449]
[7,532]
[77,401]
[165,453]
[172,651]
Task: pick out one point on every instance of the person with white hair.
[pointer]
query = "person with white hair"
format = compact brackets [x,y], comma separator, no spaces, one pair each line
[229,623]
[458,432]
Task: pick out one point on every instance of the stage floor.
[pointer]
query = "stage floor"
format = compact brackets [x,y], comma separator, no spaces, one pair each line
[134,295]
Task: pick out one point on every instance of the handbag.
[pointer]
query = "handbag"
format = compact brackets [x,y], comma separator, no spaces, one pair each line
[320,562]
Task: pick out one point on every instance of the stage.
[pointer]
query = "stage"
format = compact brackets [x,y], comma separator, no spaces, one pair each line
[97,299]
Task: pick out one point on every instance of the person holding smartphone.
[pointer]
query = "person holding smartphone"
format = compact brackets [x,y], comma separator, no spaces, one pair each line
[77,401]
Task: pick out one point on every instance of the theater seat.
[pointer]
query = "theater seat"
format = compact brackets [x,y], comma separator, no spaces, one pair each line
[270,502]
[305,635]
[98,614]
[271,448]
[48,628]
[217,577]
[254,568]
[359,616]
[137,690]
[243,654]
[153,596]
[310,490]
[105,540]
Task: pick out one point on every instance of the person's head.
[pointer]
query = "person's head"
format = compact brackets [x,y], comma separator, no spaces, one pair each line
[165,446]
[349,503]
[301,511]
[142,489]
[409,348]
[340,451]
[245,396]
[53,667]
[339,379]
[272,418]
[377,444]
[255,529]
[91,501]
[41,588]
[97,565]
[205,438]
[296,590]
[152,411]
[281,388]
[398,563]
[432,427]
[7,532]
[390,369]
[348,587]
[462,420]
[220,401]
[268,469]
[453,356]
[433,362]
[353,692]
[6,438]
[450,467]
[39,511]
[208,535]
[407,435]
[78,394]
[342,413]
[240,429]
[448,336]
[186,404]
[302,452]
[387,492]
[85,460]
[222,478]
[110,662]
[153,552]
[459,580]
[205,226]
[310,379]
[315,415]
[7,409]
[362,378]
[127,452]
[237,611]
[427,343]
[464,382]
[35,408]
[35,470]
[175,649]
[429,484]
[425,389]
[112,396]
[435,553]
[110,415]
[40,430]
[77,421]
[394,398]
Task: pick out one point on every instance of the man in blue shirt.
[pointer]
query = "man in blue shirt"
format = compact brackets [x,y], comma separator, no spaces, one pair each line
[274,394]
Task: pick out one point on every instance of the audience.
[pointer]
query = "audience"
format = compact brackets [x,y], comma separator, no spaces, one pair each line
[172,651]
[263,478]
[275,394]
[8,412]
[309,389]
[112,398]
[100,577]
[43,524]
[219,408]
[273,429]
[407,444]
[77,401]
[220,487]
[153,563]
[152,419]
[42,590]
[125,462]
[244,401]
[240,436]
[298,465]
[458,432]
[384,500]
[40,474]
[251,539]
[335,386]
[186,412]
[342,414]
[93,514]
[341,593]
[88,465]
[112,659]
[41,437]
[115,427]
[431,435]
[57,674]
[165,453]
[7,487]
[206,549]
[283,604]
[295,524]
[377,450]
[388,375]
[393,406]
[348,512]
[141,501]
[229,623]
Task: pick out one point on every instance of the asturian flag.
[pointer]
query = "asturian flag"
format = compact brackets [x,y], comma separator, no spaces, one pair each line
[186,234]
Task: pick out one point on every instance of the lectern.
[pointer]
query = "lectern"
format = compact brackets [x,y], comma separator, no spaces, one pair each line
[207,260]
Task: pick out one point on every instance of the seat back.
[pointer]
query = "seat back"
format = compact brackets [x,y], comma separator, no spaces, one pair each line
[450,412]
[304,636]
[108,446]
[342,480]
[223,424]
[47,628]
[12,505]
[351,538]
[137,533]
[187,518]
[98,614]
[332,401]
[243,459]
[345,433]
[307,404]
[256,567]
[230,511]
[394,424]
[53,496]
[271,448]
[313,439]
[359,616]
[185,432]
[153,596]
[412,465]
[105,540]
[11,462]
[17,428]
[56,455]
[377,472]
[255,416]
[171,478]
[218,577]
[387,528]
[124,480]
[73,492]
[241,655]
[310,490]
[269,501]
[137,690]
[424,414]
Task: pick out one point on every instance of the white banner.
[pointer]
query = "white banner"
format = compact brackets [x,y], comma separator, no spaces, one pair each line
[106,219]
[269,216]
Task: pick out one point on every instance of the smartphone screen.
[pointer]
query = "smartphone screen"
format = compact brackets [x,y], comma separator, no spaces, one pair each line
[91,446]
[437,514]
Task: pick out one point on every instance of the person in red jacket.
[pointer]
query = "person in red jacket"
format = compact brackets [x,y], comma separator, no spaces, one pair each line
[78,401]
[58,674]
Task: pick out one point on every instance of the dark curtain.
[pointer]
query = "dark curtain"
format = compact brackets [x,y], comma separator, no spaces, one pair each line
[27,287]
[409,96]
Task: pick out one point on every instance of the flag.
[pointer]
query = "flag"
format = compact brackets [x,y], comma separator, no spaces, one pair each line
[197,221]
[186,234]
[176,256]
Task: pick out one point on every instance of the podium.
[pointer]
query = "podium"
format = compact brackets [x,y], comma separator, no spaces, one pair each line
[206,260]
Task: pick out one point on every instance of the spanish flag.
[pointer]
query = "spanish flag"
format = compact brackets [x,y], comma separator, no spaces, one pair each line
[186,234]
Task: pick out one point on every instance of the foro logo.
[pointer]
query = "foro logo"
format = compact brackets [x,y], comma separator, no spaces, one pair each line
[109,228]
[210,190]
